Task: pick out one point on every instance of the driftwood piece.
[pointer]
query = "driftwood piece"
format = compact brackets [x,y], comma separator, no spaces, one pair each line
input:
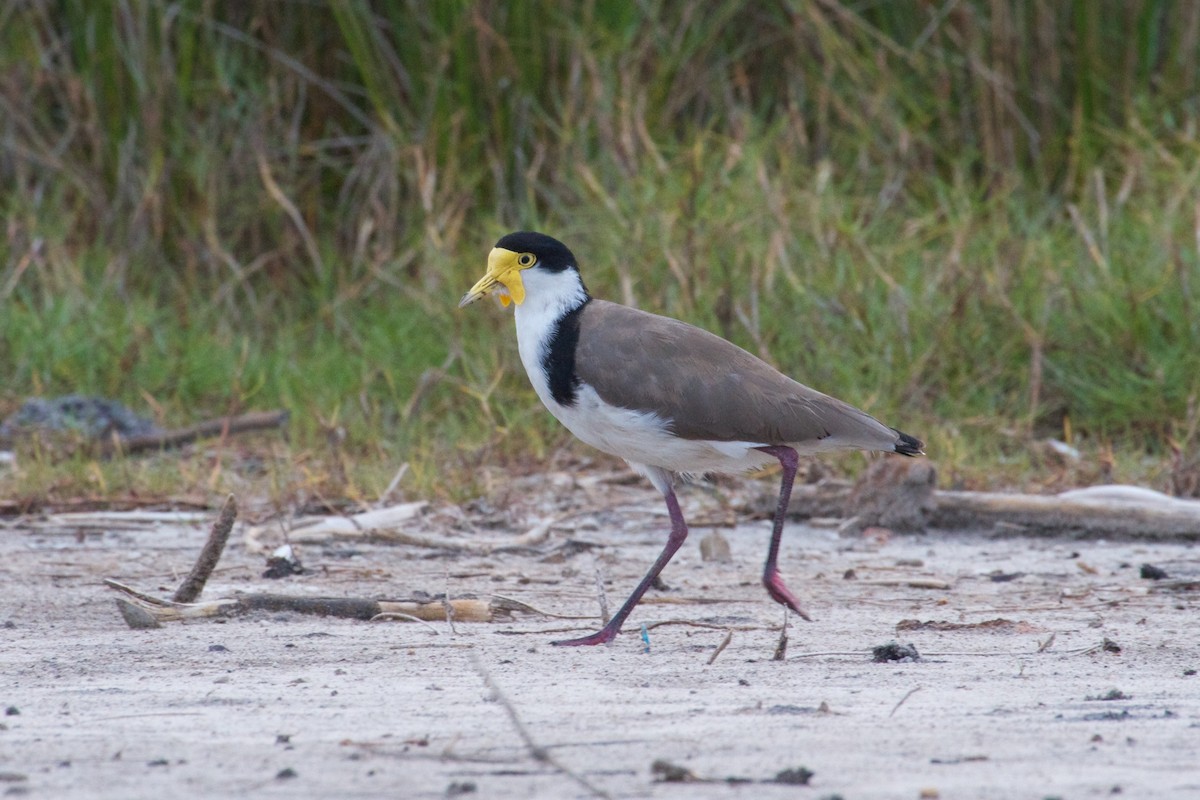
[167,440]
[458,609]
[193,584]
[827,499]
[894,493]
[135,616]
[142,610]
[1096,511]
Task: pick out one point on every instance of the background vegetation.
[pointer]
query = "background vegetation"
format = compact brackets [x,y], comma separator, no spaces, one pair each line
[978,219]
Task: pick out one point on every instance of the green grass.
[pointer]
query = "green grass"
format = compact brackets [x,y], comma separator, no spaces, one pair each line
[976,220]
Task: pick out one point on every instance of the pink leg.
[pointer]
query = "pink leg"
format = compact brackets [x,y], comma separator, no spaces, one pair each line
[674,541]
[790,461]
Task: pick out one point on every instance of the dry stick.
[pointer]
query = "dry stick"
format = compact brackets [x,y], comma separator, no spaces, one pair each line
[465,610]
[538,752]
[166,440]
[693,624]
[1046,515]
[721,647]
[502,602]
[781,648]
[910,583]
[448,605]
[649,626]
[543,632]
[691,601]
[391,487]
[1055,515]
[902,699]
[135,616]
[603,598]
[390,615]
[193,585]
[827,653]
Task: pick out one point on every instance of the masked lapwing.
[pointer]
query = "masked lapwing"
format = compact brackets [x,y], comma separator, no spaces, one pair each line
[669,398]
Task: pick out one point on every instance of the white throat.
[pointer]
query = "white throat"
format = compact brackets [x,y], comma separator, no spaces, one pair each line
[548,295]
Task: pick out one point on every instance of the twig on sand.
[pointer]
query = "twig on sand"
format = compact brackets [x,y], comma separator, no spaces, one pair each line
[142,610]
[781,648]
[911,583]
[721,647]
[361,608]
[649,626]
[448,606]
[896,707]
[694,624]
[396,615]
[538,752]
[391,487]
[193,584]
[504,602]
[602,598]
[166,440]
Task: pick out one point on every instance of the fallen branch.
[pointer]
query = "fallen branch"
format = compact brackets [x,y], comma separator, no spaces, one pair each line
[1111,510]
[360,608]
[910,583]
[1096,511]
[193,585]
[167,440]
[512,604]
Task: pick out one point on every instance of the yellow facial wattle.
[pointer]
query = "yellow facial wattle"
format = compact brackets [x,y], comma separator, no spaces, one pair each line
[504,268]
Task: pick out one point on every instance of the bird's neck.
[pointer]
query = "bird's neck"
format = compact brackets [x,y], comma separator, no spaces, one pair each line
[549,296]
[546,322]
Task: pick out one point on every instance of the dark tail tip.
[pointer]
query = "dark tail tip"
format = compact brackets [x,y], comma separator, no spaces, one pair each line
[909,445]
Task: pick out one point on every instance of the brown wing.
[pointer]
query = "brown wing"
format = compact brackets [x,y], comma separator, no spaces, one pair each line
[709,388]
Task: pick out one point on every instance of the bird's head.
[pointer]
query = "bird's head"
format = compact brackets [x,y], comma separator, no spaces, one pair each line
[512,256]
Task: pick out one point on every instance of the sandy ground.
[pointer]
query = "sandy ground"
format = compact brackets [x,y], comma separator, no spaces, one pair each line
[285,705]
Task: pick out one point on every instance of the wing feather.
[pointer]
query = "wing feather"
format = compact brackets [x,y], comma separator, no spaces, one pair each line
[708,388]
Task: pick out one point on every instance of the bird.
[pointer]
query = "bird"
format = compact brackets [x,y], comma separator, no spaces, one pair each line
[671,399]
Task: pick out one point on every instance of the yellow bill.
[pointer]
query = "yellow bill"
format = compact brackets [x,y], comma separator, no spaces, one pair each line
[504,270]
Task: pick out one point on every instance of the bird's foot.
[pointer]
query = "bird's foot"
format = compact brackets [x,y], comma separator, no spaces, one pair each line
[602,636]
[782,594]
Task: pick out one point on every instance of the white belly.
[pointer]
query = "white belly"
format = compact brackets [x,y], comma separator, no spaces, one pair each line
[643,438]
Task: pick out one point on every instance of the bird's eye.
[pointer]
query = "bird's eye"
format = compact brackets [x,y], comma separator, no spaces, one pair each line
[526,260]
